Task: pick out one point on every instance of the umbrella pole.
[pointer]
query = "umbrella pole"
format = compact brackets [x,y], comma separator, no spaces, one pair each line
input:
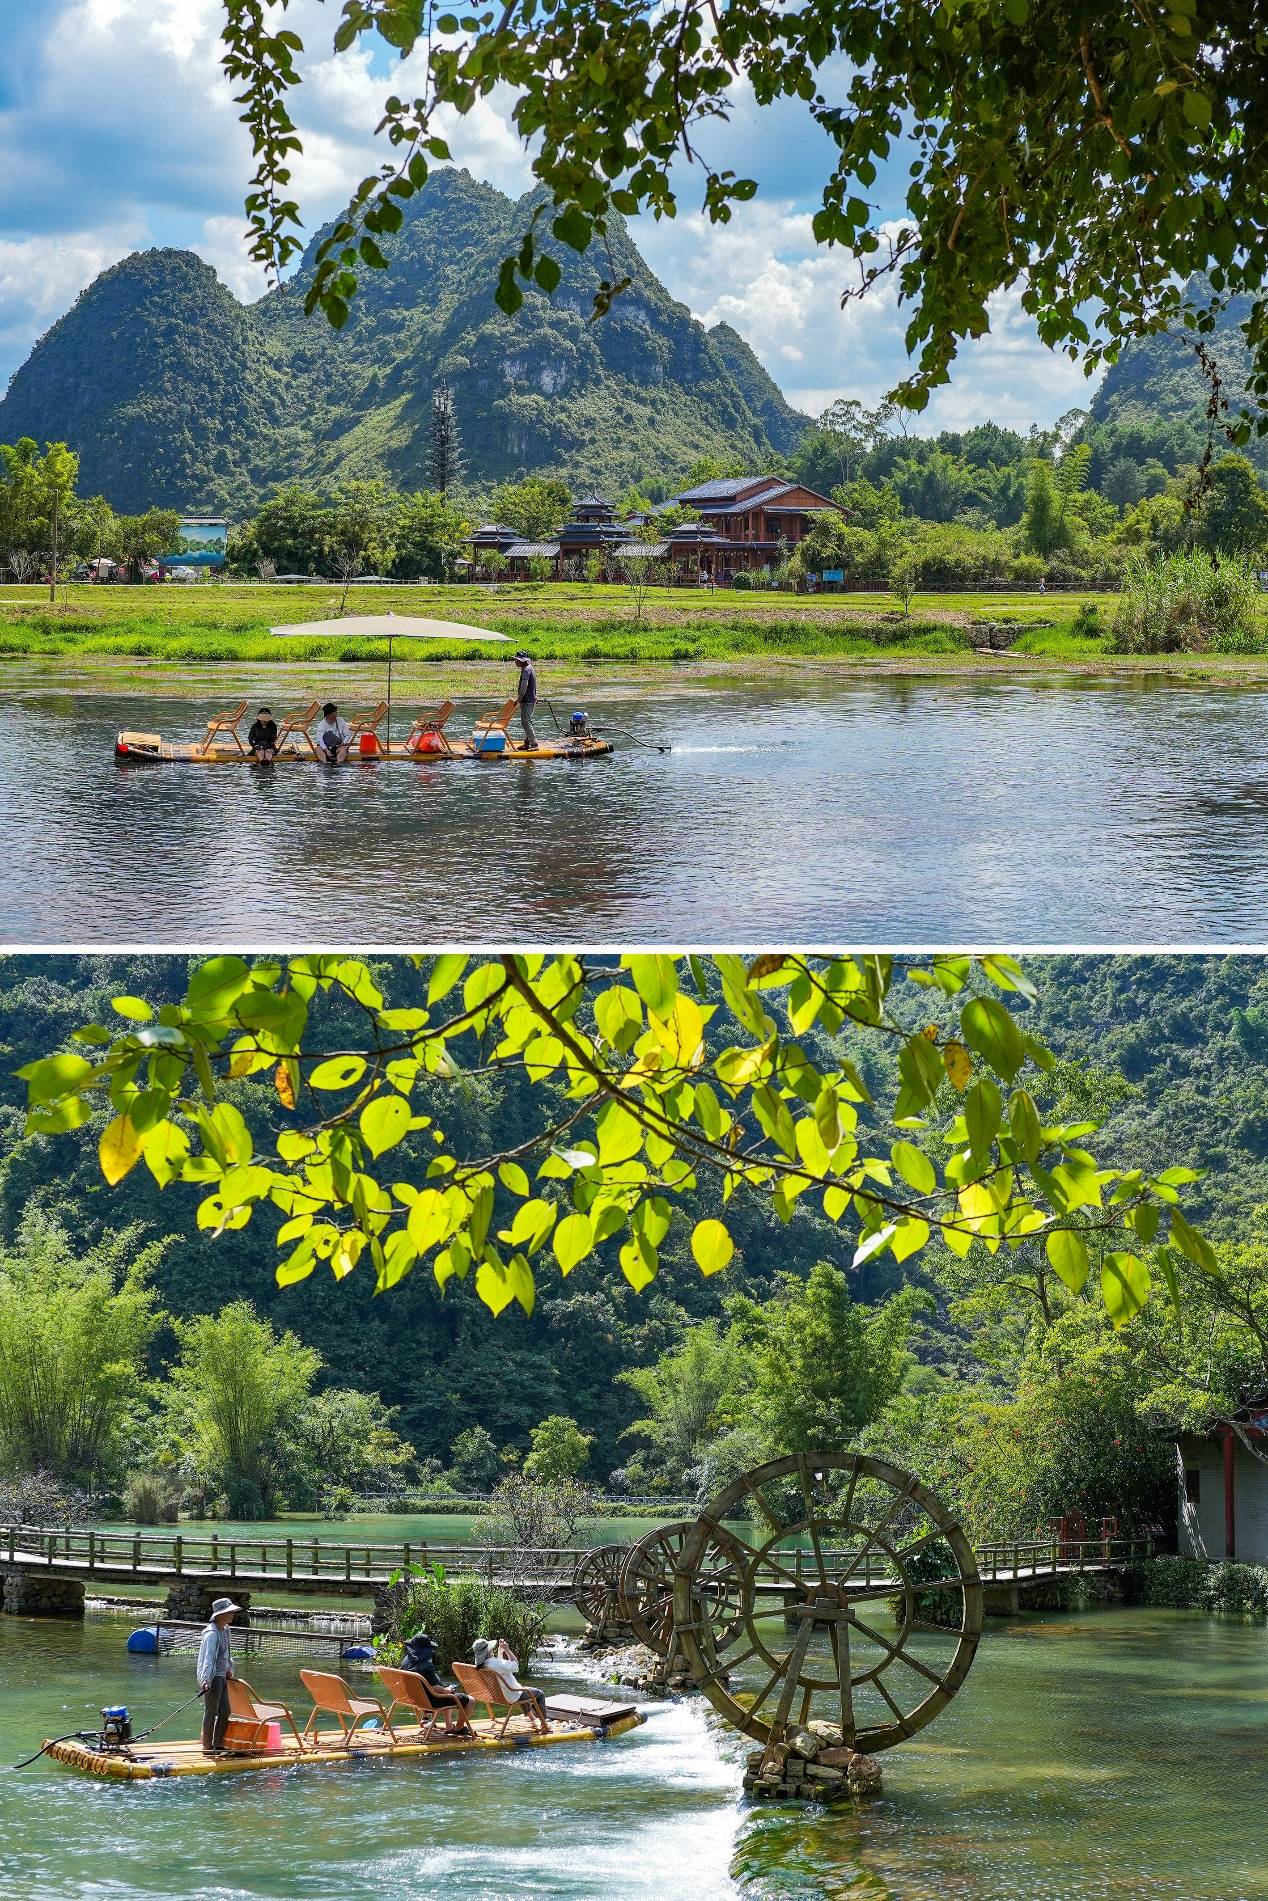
[389,696]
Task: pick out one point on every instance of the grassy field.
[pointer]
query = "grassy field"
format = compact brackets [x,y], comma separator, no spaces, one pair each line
[566,622]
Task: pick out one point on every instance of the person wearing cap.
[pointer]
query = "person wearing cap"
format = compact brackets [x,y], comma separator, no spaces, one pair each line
[495,1654]
[214,1668]
[332,736]
[419,1656]
[526,694]
[262,738]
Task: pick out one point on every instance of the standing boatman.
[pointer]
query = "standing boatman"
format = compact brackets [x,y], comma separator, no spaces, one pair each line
[526,694]
[215,1667]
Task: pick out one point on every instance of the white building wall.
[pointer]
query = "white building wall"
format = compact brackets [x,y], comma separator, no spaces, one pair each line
[1201,1525]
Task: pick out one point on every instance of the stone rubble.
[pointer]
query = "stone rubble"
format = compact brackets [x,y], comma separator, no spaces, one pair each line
[814,1764]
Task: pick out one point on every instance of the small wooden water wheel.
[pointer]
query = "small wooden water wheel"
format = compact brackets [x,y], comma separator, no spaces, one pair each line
[647,1585]
[859,1602]
[596,1584]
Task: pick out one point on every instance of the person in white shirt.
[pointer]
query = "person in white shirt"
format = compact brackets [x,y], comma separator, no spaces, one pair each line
[495,1654]
[212,1671]
[332,737]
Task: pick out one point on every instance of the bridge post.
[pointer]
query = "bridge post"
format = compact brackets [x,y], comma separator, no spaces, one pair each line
[32,1594]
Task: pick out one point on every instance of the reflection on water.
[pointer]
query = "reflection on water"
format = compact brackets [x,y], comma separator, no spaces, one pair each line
[1084,1769]
[887,809]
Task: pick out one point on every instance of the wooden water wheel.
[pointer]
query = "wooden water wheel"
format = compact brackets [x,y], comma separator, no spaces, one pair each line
[596,1583]
[858,1600]
[647,1585]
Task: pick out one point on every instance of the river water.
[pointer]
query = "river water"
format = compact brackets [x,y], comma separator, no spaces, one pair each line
[812,808]
[1115,1755]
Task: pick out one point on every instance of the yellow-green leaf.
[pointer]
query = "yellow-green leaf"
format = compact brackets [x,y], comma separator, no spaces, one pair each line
[119,1149]
[711,1246]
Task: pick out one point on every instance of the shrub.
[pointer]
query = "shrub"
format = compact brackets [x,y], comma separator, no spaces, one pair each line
[1188,603]
[149,1500]
[742,582]
[1240,1589]
[38,1498]
[1087,622]
[458,1610]
[1174,1583]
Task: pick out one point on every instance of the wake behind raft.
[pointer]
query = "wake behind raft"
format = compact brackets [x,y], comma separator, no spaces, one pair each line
[113,1752]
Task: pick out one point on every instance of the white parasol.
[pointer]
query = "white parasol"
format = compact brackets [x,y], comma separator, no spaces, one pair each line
[389,627]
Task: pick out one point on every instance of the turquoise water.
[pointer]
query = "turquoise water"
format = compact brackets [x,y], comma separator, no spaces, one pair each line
[1109,1756]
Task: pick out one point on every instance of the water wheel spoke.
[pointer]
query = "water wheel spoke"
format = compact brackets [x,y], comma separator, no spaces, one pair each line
[803,1474]
[918,1544]
[899,1716]
[895,1651]
[840,1633]
[758,1497]
[887,1516]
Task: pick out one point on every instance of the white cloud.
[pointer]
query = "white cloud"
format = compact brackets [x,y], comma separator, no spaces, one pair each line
[764,274]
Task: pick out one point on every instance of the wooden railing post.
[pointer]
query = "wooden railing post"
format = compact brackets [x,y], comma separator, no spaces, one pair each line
[176,1553]
[290,1558]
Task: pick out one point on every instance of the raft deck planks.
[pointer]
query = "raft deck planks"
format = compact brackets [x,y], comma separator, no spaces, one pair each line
[152,749]
[146,1762]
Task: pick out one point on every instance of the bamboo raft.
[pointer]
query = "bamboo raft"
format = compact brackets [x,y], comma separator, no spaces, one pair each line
[574,1719]
[153,749]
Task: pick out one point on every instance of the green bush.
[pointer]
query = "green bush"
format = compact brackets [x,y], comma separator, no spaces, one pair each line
[1190,1584]
[1240,1589]
[458,1610]
[1087,622]
[742,582]
[1188,603]
[149,1501]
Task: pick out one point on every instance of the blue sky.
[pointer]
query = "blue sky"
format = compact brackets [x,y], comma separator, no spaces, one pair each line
[118,131]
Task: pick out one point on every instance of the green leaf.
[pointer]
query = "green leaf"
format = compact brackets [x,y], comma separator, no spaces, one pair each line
[216,985]
[915,1167]
[639,1262]
[53,1076]
[384,1122]
[135,1009]
[573,1239]
[445,973]
[711,1246]
[656,980]
[338,1072]
[1125,1286]
[573,228]
[513,1178]
[1023,1120]
[1068,1257]
[990,1031]
[1191,1243]
[981,1117]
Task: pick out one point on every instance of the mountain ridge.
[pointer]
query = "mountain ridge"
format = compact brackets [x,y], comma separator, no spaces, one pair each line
[176,394]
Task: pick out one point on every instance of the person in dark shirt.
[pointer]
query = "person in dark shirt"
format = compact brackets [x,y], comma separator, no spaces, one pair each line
[419,1656]
[526,694]
[262,738]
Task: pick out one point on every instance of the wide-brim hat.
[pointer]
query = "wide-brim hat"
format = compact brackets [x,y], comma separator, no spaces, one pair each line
[480,1650]
[223,1604]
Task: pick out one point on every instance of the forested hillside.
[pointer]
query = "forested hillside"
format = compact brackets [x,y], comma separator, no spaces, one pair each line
[1172,1052]
[175,395]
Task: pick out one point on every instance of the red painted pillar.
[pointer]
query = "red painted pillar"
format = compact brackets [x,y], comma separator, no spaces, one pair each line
[1230,1515]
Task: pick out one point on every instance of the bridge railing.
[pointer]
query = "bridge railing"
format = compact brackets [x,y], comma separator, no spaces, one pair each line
[275,1559]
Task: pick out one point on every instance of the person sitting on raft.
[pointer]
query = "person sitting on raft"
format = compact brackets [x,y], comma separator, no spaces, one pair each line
[333,736]
[495,1654]
[262,737]
[212,1672]
[419,1656]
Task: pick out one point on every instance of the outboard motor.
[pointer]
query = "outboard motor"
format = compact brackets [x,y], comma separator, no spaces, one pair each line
[578,726]
[116,1727]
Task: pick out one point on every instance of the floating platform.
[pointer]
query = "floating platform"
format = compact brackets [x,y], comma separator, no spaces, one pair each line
[573,1719]
[153,749]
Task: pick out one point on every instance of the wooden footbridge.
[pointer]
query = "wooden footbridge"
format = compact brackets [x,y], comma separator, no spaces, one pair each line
[208,1563]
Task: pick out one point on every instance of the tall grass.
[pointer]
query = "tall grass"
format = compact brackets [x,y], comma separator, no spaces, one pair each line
[1189,603]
